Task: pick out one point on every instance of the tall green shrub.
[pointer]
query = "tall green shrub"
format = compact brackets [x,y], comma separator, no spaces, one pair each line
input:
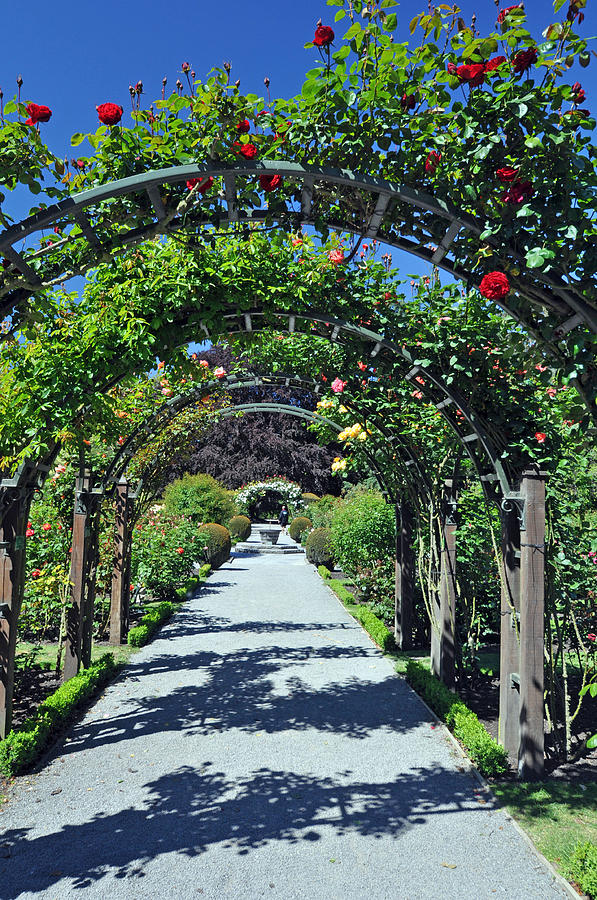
[322,511]
[201,498]
[363,531]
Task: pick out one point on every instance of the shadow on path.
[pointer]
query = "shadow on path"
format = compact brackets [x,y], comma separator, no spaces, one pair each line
[189,810]
[239,691]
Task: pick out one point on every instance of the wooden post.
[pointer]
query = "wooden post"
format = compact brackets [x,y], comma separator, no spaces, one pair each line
[76,610]
[446,640]
[12,574]
[532,603]
[404,595]
[509,716]
[119,605]
[90,572]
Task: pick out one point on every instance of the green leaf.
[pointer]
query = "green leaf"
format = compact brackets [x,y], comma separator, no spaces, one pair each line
[353,31]
[535,258]
[77,139]
[592,742]
[339,15]
[391,22]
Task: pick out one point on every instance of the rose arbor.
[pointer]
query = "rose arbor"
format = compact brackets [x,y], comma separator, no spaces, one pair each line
[381,144]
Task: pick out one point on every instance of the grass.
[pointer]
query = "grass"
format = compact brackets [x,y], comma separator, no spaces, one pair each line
[555,814]
[45,657]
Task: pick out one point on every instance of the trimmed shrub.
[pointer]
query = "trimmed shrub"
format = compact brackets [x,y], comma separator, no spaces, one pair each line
[21,749]
[149,624]
[201,498]
[583,868]
[308,498]
[319,549]
[298,526]
[216,543]
[240,527]
[488,756]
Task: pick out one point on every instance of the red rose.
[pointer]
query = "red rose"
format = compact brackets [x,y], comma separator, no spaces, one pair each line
[29,533]
[472,73]
[518,193]
[109,113]
[507,174]
[524,59]
[451,68]
[204,187]
[324,36]
[494,63]
[270,182]
[180,549]
[432,162]
[362,366]
[592,637]
[540,437]
[37,114]
[249,151]
[243,126]
[336,256]
[494,286]
[408,101]
[46,527]
[578,94]
[519,7]
[36,573]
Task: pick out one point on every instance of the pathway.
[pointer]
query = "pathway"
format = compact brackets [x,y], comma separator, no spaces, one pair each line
[261,747]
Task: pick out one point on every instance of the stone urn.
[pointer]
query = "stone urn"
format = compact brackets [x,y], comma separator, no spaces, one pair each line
[269,536]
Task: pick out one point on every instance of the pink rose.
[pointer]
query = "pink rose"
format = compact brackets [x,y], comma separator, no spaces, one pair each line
[338,385]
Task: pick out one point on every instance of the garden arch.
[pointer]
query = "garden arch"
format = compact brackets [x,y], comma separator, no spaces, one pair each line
[384,214]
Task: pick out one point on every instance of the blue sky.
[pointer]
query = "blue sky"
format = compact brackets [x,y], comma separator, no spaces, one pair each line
[75,56]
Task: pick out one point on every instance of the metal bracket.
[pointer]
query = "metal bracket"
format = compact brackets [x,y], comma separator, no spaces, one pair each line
[515,680]
[84,500]
[515,502]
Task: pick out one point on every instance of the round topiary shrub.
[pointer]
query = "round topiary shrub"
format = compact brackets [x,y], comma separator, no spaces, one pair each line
[240,527]
[216,543]
[319,548]
[297,526]
[308,498]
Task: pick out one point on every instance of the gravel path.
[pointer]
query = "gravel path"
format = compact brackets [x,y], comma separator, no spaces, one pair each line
[261,747]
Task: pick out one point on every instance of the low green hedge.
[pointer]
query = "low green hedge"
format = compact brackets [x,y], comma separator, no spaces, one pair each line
[192,583]
[372,625]
[488,756]
[380,633]
[583,868]
[22,748]
[149,624]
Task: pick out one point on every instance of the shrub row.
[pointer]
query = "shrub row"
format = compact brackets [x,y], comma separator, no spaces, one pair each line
[380,633]
[191,584]
[22,748]
[583,868]
[488,756]
[372,625]
[149,624]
